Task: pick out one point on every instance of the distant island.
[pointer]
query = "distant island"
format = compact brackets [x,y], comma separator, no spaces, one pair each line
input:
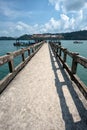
[6,38]
[77,35]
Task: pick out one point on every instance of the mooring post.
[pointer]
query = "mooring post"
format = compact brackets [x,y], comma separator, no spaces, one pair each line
[11,63]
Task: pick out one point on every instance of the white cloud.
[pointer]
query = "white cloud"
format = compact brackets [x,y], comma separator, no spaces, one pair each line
[19,28]
[56,4]
[64,24]
[22,27]
[67,23]
[81,14]
[75,8]
[68,5]
[52,25]
[72,23]
[4,33]
[64,17]
[71,19]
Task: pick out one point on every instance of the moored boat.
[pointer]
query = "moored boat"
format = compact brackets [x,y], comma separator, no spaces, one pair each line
[77,42]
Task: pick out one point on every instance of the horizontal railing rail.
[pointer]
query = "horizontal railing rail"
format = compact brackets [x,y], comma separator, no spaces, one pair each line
[9,59]
[62,53]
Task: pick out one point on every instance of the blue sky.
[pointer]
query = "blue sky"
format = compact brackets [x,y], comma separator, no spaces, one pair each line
[18,17]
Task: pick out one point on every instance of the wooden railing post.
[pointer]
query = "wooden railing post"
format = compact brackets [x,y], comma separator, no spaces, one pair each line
[23,58]
[74,63]
[11,63]
[35,48]
[65,55]
[56,50]
[32,50]
[60,52]
[75,60]
[28,52]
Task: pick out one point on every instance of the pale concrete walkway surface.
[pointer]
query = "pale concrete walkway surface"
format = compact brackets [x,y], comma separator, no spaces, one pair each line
[41,97]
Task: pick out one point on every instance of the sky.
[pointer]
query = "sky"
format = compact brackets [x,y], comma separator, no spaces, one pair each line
[18,17]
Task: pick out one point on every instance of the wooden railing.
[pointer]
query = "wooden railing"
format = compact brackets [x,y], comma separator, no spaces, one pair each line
[62,53]
[9,58]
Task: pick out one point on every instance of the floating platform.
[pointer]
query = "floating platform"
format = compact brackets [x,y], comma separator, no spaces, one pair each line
[23,43]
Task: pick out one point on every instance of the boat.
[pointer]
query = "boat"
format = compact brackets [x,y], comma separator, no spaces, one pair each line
[77,42]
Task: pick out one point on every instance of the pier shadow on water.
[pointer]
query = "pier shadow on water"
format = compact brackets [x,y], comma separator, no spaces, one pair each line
[69,99]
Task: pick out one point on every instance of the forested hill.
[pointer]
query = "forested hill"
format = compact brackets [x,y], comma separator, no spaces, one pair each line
[7,38]
[78,35]
[23,37]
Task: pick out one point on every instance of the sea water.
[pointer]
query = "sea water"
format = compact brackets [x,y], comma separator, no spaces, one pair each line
[80,48]
[7,46]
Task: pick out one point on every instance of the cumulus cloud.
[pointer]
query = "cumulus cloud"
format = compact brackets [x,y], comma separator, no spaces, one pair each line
[64,24]
[72,17]
[56,4]
[64,17]
[76,8]
[67,23]
[69,5]
[22,28]
[53,26]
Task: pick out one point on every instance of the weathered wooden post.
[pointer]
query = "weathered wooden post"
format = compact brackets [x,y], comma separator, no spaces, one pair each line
[23,58]
[11,62]
[56,50]
[74,63]
[65,56]
[60,51]
[32,50]
[52,46]
[35,47]
[28,52]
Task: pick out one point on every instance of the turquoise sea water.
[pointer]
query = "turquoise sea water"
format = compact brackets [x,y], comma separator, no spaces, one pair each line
[82,50]
[7,46]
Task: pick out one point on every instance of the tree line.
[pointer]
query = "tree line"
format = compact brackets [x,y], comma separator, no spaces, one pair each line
[77,35]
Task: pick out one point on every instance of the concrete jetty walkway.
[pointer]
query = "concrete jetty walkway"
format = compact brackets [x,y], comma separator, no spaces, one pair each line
[41,97]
